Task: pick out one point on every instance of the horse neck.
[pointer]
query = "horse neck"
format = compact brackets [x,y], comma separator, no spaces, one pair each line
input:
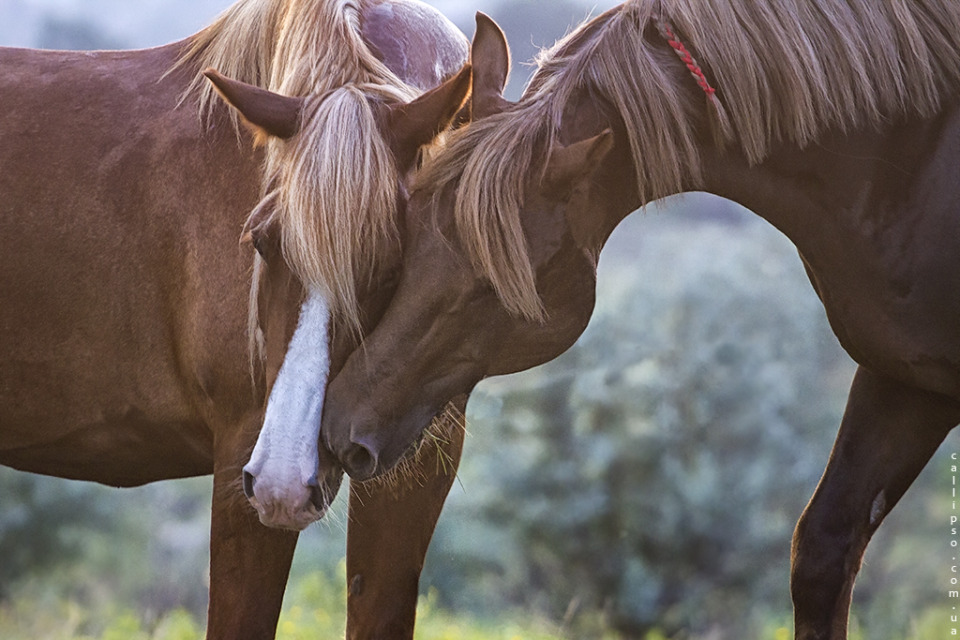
[819,195]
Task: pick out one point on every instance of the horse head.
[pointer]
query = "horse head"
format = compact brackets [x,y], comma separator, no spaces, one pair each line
[477,299]
[303,329]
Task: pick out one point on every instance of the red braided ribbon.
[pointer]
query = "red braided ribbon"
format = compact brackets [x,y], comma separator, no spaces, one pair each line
[688,60]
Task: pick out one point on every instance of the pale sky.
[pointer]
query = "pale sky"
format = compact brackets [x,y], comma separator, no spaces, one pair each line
[140,23]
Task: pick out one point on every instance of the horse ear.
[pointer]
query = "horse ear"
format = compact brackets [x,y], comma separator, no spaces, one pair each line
[568,165]
[490,56]
[418,122]
[269,114]
[567,174]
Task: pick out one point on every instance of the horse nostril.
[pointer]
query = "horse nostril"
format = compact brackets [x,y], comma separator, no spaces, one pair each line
[318,498]
[248,481]
[360,462]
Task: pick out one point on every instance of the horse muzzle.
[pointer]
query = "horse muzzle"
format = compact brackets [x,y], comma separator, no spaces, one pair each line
[285,501]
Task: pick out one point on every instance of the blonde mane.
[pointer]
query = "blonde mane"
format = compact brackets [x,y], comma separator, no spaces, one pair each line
[332,188]
[784,70]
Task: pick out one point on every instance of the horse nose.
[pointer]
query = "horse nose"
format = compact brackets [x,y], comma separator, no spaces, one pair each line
[248,481]
[360,461]
[318,498]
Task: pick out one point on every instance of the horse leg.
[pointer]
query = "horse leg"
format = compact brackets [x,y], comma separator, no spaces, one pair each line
[249,563]
[888,433]
[387,537]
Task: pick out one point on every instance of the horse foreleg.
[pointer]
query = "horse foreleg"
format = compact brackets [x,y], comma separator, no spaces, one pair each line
[888,433]
[249,565]
[388,533]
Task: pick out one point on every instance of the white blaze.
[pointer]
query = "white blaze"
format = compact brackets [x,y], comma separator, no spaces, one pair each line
[284,460]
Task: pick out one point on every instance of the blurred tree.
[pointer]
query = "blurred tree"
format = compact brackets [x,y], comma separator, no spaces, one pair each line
[37,516]
[144,548]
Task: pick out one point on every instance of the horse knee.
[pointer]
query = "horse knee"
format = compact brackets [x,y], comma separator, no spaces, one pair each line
[817,566]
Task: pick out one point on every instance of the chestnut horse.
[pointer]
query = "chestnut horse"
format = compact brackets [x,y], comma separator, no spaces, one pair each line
[125,300]
[836,120]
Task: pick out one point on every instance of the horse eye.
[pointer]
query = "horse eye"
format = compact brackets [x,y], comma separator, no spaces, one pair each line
[393,277]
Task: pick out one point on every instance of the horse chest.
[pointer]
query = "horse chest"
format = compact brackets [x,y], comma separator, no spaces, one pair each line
[891,290]
[875,217]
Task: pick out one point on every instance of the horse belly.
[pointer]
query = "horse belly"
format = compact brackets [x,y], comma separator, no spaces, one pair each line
[119,450]
[85,406]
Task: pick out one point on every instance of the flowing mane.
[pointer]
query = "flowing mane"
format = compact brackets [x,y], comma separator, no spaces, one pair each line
[784,71]
[332,188]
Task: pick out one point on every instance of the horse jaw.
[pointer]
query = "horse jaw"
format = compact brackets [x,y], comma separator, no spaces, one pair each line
[282,478]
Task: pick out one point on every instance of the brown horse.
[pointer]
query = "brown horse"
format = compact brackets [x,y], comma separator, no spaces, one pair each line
[835,120]
[124,298]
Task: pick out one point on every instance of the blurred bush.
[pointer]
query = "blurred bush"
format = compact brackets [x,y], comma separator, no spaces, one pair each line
[40,519]
[103,548]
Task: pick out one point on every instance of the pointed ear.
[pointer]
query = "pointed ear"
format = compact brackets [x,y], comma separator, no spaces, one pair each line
[261,230]
[418,122]
[490,57]
[569,165]
[567,176]
[268,113]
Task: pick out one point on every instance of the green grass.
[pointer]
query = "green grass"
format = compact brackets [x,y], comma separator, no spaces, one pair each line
[314,607]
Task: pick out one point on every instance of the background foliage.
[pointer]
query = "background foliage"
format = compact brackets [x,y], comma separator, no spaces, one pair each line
[643,485]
